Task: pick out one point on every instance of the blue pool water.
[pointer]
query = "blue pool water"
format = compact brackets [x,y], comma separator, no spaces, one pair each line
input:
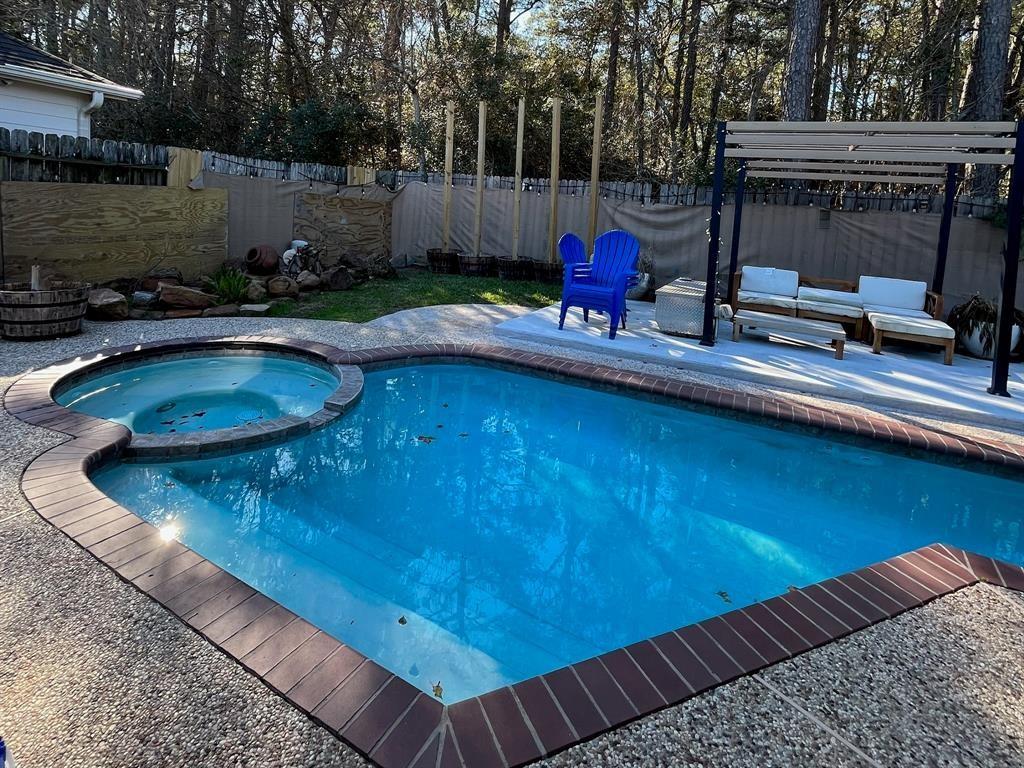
[518,524]
[209,392]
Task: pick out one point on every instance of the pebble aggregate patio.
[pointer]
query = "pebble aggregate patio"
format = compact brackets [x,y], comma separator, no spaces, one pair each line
[95,673]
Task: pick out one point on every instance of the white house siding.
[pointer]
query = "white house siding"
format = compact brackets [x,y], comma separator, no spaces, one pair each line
[33,107]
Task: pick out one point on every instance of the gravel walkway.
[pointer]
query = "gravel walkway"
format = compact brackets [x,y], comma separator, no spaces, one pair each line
[93,673]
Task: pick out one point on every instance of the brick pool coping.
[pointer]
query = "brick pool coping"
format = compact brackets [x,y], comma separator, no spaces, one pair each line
[395,724]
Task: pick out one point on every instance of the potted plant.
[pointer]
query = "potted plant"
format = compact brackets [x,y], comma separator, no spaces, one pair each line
[974,322]
[514,268]
[42,309]
[443,262]
[645,278]
[479,265]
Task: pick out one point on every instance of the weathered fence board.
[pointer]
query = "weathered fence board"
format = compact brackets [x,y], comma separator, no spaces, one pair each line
[344,225]
[32,156]
[99,232]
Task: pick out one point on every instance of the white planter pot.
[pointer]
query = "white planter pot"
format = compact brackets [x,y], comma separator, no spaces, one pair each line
[973,344]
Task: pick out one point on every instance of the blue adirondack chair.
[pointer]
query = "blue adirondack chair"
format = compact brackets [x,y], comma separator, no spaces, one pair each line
[601,285]
[572,250]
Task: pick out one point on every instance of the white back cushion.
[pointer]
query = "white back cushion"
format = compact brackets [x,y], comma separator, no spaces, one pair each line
[890,292]
[781,282]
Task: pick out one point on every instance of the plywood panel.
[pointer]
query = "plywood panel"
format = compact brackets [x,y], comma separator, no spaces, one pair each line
[99,232]
[344,225]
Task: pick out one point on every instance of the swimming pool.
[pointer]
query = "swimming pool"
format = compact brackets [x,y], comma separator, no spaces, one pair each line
[207,392]
[472,527]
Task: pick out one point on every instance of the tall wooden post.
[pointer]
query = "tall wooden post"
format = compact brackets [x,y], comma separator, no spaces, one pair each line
[481,147]
[517,191]
[556,131]
[449,158]
[942,250]
[595,170]
[715,234]
[737,224]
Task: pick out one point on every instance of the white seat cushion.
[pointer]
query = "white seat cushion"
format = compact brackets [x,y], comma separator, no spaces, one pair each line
[781,282]
[890,292]
[766,299]
[884,310]
[915,326]
[848,298]
[825,308]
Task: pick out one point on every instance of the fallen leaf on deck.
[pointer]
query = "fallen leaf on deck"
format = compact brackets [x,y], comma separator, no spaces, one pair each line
[724,595]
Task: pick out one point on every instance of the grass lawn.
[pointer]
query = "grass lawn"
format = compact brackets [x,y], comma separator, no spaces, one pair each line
[417,288]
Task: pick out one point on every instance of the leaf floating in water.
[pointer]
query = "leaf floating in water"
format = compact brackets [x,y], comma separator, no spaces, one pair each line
[199,413]
[169,484]
[428,439]
[440,426]
[165,407]
[168,422]
[724,595]
[438,690]
[444,405]
[402,620]
[463,434]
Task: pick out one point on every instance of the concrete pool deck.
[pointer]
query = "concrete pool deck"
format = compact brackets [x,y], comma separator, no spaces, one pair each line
[94,673]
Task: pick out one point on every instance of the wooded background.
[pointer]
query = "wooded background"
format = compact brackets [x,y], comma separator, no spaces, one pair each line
[336,82]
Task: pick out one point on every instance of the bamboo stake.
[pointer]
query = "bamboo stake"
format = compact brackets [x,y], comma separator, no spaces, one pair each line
[595,170]
[449,158]
[517,192]
[481,146]
[556,130]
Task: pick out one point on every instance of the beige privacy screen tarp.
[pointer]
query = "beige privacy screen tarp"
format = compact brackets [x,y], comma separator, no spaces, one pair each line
[839,244]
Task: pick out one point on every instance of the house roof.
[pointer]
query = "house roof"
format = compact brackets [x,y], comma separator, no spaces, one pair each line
[21,61]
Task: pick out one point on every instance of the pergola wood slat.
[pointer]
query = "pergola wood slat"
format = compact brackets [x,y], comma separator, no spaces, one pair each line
[922,155]
[897,141]
[968,127]
[865,177]
[798,166]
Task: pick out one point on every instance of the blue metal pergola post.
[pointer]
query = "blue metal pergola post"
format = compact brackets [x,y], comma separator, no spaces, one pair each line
[1011,256]
[714,243]
[942,251]
[737,222]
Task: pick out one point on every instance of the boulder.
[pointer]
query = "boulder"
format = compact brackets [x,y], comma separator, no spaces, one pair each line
[145,314]
[181,297]
[337,279]
[307,281]
[253,310]
[107,304]
[152,279]
[224,310]
[124,285]
[279,285]
[256,292]
[182,314]
[142,299]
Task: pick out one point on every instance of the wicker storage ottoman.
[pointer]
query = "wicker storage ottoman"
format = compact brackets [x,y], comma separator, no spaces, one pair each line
[679,307]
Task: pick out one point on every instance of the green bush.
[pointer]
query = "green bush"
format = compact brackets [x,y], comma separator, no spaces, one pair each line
[230,285]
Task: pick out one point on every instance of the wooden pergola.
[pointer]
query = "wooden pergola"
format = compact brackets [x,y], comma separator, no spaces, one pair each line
[910,154]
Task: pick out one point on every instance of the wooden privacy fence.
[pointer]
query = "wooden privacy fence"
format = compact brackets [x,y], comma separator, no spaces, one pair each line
[32,156]
[99,232]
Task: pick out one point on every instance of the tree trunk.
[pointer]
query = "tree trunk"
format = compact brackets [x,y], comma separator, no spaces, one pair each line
[503,26]
[939,49]
[799,77]
[989,76]
[638,75]
[686,109]
[611,82]
[826,59]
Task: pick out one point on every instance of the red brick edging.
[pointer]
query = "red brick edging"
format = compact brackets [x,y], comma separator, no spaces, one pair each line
[395,724]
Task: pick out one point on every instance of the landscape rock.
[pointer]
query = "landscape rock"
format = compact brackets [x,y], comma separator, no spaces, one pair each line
[107,304]
[152,279]
[145,314]
[144,299]
[337,279]
[124,285]
[181,314]
[256,292]
[279,285]
[183,297]
[224,310]
[377,266]
[253,310]
[307,281]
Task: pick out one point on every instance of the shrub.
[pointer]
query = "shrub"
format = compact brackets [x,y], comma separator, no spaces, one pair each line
[230,285]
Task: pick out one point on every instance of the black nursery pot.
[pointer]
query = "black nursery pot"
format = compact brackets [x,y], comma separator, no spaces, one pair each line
[515,269]
[478,266]
[443,262]
[549,272]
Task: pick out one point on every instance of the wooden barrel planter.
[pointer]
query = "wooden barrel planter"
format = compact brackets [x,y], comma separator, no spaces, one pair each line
[515,269]
[478,266]
[26,315]
[549,272]
[443,262]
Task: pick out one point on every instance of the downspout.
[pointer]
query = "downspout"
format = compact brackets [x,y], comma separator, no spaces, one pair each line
[83,114]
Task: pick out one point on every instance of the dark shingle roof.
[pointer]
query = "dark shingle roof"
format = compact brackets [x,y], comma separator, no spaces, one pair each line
[19,53]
